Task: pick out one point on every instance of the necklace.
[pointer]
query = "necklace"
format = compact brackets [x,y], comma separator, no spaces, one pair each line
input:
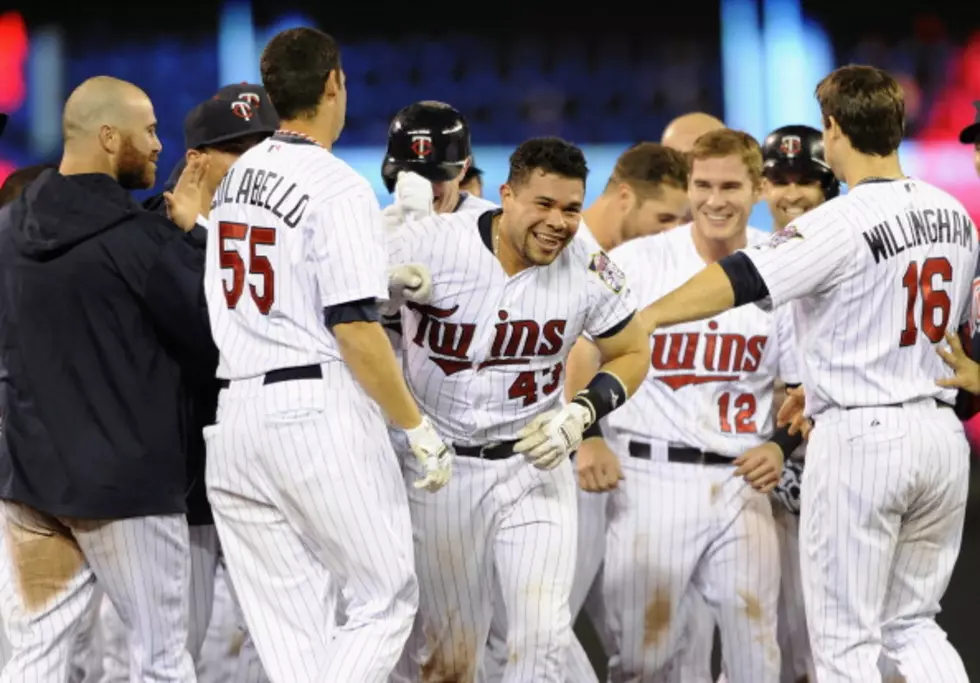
[297,134]
[496,238]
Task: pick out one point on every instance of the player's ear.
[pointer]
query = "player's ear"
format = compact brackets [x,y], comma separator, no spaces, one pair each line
[335,83]
[627,197]
[506,192]
[191,154]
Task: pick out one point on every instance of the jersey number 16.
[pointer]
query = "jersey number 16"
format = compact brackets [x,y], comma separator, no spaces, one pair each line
[258,264]
[933,299]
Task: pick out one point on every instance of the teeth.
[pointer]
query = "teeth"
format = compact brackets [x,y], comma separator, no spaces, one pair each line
[716,217]
[794,210]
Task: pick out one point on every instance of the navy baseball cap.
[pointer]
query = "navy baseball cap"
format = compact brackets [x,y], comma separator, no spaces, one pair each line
[220,120]
[256,97]
[3,122]
[971,134]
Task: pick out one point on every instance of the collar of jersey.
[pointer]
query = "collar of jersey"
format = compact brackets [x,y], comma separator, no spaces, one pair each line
[293,139]
[485,224]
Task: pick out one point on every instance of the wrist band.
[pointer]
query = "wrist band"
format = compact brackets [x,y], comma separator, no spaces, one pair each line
[786,441]
[604,394]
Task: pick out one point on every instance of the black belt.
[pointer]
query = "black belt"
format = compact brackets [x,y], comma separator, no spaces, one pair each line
[285,375]
[939,404]
[497,451]
[682,454]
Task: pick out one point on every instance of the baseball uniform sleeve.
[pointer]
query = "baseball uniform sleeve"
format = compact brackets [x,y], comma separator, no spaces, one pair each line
[789,370]
[349,250]
[810,255]
[613,303]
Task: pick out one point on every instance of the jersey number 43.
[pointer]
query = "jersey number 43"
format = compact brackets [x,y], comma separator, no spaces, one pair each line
[263,296]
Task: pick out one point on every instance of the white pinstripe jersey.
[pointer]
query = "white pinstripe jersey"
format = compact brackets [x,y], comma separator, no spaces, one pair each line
[488,352]
[878,276]
[710,384]
[293,230]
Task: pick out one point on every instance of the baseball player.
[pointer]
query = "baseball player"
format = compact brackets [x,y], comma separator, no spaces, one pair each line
[796,179]
[511,291]
[680,523]
[876,278]
[301,476]
[221,128]
[646,194]
[431,139]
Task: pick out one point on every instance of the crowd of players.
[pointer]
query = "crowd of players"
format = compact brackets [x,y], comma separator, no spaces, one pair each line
[686,514]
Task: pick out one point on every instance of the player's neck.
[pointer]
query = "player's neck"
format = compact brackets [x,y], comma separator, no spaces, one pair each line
[77,162]
[715,250]
[509,259]
[316,129]
[863,166]
[601,223]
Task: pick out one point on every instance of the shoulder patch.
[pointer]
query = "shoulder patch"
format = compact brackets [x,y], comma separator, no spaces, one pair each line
[785,235]
[608,272]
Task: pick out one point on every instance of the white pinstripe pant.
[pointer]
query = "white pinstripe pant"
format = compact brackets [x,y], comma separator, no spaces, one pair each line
[883,502]
[501,521]
[675,531]
[306,489]
[48,572]
[205,552]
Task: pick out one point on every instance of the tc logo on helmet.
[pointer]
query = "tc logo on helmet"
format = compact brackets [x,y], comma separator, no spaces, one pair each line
[791,145]
[421,146]
[251,99]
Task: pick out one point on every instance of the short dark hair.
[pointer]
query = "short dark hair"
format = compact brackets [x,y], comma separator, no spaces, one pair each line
[548,155]
[295,66]
[869,106]
[18,181]
[647,165]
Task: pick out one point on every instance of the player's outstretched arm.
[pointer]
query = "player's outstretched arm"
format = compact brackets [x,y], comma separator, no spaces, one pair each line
[368,353]
[597,467]
[966,372]
[551,437]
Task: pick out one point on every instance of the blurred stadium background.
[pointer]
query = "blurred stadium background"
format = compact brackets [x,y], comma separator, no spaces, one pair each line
[602,80]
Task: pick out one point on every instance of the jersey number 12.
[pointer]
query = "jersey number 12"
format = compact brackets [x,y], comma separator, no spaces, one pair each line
[933,299]
[258,264]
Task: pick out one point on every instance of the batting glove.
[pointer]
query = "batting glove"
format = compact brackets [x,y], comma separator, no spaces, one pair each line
[413,194]
[553,435]
[787,491]
[435,457]
[392,218]
[409,282]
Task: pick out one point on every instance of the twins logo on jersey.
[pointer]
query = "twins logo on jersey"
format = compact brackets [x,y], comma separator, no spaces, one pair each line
[515,342]
[608,272]
[721,357]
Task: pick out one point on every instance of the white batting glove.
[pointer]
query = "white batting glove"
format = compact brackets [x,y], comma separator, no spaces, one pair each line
[409,282]
[413,194]
[392,218]
[553,435]
[435,457]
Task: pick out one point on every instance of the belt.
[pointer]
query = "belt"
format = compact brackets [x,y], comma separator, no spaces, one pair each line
[285,375]
[682,454]
[939,404]
[495,451]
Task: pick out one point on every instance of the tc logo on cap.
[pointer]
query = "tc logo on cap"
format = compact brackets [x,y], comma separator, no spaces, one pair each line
[251,99]
[241,109]
[421,145]
[790,145]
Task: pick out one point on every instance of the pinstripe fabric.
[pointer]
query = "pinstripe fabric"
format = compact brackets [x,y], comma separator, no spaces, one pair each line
[142,564]
[674,529]
[205,554]
[304,484]
[880,530]
[794,642]
[333,253]
[506,521]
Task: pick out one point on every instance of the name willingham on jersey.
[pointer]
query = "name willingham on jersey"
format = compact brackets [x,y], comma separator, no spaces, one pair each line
[930,226]
[253,188]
